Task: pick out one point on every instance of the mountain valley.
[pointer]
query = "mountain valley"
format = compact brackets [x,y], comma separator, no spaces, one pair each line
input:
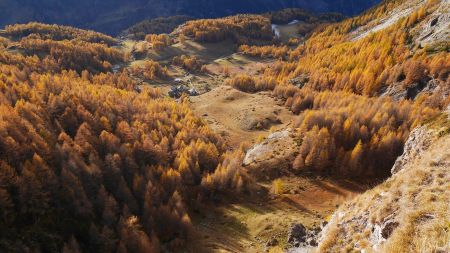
[281,132]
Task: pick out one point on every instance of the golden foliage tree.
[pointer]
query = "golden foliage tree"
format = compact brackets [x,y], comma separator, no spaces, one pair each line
[86,147]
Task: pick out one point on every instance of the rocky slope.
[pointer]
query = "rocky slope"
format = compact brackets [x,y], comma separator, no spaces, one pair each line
[435,31]
[402,10]
[410,211]
[431,32]
[407,213]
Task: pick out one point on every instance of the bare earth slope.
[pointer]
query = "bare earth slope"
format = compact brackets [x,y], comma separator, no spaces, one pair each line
[239,116]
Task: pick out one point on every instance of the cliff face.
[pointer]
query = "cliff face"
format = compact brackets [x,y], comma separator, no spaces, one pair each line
[409,212]
[113,16]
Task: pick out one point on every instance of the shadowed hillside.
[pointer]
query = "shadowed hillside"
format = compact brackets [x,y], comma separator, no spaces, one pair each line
[113,16]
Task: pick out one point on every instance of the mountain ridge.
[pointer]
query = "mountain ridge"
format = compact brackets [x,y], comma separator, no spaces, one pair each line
[113,16]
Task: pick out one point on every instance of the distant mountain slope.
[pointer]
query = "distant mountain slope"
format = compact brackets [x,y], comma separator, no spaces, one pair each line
[112,16]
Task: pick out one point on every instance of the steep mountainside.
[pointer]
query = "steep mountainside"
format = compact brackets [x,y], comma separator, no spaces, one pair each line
[112,16]
[395,216]
[410,211]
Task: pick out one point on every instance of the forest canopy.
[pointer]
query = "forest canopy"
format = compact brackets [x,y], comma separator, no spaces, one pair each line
[241,29]
[115,164]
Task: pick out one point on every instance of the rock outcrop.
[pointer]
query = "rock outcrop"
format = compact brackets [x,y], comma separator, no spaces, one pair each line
[302,239]
[436,29]
[419,140]
[301,236]
[274,155]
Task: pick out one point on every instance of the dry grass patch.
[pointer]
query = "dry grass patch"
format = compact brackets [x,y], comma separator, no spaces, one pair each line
[407,213]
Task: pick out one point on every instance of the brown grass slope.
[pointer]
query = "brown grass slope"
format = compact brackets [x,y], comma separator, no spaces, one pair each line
[409,212]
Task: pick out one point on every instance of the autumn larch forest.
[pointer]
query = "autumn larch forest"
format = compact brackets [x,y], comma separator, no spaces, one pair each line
[322,129]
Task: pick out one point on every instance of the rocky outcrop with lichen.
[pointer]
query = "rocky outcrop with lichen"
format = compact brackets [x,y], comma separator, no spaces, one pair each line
[419,140]
[435,32]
